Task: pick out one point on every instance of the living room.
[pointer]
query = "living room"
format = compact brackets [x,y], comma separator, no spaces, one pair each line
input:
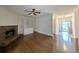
[33,28]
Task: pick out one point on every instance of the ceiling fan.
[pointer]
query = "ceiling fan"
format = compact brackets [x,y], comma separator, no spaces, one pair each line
[34,12]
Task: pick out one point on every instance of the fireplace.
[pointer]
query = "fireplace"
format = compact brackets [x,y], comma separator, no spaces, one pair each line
[8,37]
[9,33]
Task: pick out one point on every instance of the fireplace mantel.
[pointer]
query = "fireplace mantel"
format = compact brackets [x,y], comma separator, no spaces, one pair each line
[4,29]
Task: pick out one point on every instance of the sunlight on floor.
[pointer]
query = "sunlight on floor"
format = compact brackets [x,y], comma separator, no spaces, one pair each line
[66,43]
[66,38]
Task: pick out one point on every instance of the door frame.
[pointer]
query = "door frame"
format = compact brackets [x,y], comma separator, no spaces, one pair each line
[66,16]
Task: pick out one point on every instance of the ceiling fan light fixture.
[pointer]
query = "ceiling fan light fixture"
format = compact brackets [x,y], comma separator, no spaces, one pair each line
[34,12]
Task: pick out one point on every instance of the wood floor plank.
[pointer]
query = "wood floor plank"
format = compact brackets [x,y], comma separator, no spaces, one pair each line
[35,43]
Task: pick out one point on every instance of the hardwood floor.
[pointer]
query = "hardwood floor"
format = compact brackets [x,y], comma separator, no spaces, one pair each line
[39,43]
[34,43]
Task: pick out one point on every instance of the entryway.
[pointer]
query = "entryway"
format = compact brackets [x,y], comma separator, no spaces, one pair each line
[65,32]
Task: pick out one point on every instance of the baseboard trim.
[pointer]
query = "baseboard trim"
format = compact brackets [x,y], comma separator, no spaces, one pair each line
[43,34]
[28,31]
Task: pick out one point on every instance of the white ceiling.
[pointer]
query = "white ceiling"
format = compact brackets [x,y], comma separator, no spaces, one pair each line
[44,9]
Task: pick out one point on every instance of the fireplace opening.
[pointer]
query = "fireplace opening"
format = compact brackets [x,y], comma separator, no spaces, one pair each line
[9,33]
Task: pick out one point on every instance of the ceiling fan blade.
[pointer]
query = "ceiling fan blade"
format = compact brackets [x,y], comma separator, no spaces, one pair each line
[30,13]
[37,12]
[27,11]
[34,14]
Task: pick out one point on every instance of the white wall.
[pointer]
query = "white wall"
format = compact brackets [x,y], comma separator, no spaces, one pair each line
[77,22]
[9,18]
[29,25]
[44,24]
[53,24]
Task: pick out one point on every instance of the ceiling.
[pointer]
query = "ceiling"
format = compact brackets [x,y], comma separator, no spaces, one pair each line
[44,9]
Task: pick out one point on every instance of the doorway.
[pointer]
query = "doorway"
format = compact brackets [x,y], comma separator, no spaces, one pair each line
[64,31]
